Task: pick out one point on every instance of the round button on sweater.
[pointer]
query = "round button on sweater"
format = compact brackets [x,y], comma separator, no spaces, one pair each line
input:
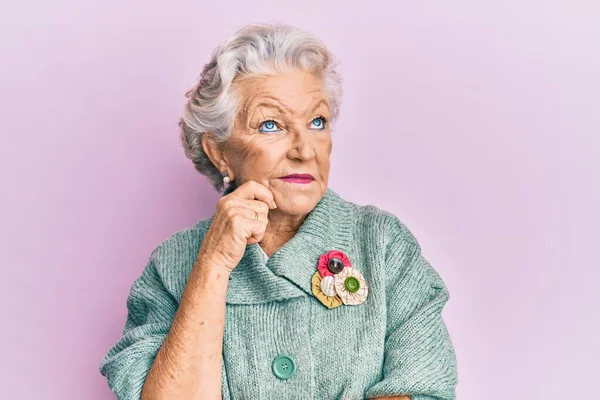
[284,367]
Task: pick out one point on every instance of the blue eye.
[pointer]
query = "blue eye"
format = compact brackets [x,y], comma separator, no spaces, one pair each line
[320,123]
[269,126]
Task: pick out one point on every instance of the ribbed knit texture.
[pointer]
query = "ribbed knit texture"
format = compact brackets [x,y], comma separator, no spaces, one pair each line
[396,342]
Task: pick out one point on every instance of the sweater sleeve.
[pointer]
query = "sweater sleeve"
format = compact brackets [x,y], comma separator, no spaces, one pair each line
[420,360]
[151,309]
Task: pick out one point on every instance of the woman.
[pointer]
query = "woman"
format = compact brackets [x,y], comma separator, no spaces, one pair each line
[287,291]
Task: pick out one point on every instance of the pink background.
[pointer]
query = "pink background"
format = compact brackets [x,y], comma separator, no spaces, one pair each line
[477,124]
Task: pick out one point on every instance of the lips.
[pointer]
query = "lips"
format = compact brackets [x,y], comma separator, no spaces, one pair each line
[298,176]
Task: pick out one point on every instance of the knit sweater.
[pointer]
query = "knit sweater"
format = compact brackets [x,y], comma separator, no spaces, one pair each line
[394,343]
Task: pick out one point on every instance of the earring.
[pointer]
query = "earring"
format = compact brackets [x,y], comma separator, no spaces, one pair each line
[225,176]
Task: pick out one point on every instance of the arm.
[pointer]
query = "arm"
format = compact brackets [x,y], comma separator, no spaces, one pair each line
[420,361]
[166,350]
[171,351]
[188,365]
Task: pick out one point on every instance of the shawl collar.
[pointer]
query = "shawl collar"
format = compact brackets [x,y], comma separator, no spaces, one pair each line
[288,272]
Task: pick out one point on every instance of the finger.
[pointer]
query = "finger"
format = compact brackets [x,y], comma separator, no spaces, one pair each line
[257,205]
[253,214]
[250,227]
[253,190]
[247,208]
[258,231]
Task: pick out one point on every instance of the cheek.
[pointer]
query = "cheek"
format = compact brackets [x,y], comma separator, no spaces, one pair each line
[261,161]
[323,150]
[323,144]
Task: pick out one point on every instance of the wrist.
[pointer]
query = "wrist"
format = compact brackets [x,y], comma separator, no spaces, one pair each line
[211,265]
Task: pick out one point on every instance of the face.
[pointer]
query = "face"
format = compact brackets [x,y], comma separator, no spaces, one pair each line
[282,128]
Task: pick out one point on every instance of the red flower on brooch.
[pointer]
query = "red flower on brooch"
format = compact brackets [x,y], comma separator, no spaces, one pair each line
[332,263]
[336,282]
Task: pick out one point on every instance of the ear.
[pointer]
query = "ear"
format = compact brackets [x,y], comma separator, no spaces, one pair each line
[214,151]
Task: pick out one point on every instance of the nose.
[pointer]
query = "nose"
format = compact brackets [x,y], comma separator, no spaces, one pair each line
[302,146]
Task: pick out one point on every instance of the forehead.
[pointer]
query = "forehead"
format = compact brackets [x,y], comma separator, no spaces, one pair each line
[294,93]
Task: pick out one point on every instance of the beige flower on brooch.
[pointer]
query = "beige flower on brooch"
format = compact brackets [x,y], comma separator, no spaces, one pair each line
[350,286]
[324,290]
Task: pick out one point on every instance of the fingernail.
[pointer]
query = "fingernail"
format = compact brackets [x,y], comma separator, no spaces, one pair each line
[274,205]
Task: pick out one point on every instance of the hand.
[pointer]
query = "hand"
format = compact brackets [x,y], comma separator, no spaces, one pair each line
[235,225]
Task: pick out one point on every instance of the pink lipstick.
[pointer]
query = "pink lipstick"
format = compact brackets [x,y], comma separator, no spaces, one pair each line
[298,178]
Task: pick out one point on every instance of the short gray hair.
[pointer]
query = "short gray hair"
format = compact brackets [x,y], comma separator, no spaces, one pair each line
[255,49]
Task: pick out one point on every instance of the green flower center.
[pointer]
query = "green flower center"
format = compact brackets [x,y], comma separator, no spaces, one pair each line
[352,284]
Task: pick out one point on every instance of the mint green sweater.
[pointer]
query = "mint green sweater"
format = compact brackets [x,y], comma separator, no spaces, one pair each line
[395,342]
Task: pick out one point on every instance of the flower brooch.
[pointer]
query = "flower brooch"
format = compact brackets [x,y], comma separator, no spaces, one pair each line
[336,282]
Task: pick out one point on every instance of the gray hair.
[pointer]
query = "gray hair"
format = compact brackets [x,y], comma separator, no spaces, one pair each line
[255,49]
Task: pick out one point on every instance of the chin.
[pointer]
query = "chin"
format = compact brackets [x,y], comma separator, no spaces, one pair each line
[297,202]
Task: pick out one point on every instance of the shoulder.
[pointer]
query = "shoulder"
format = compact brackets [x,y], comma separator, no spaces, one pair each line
[373,221]
[173,257]
[390,241]
[182,241]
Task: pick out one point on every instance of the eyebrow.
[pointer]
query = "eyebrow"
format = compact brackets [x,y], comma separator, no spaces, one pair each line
[273,105]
